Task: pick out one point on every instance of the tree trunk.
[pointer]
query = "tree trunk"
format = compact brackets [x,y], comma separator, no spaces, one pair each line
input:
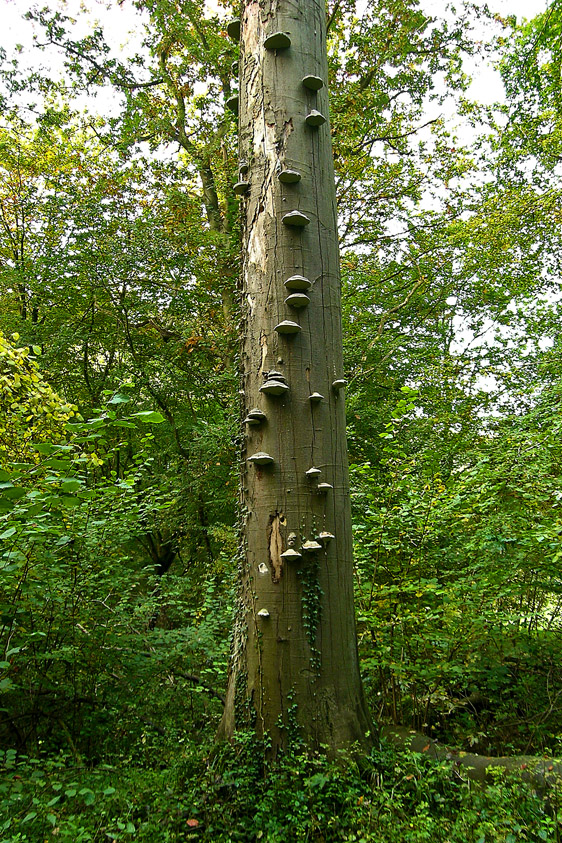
[294,666]
[542,773]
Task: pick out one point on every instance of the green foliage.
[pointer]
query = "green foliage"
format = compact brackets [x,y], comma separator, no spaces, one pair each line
[458,579]
[116,510]
[30,410]
[233,795]
[82,620]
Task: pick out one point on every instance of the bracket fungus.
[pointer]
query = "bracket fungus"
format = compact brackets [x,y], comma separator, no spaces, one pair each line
[297,300]
[291,555]
[324,537]
[235,67]
[315,398]
[313,83]
[314,118]
[338,384]
[277,41]
[233,29]
[241,187]
[243,168]
[263,613]
[261,458]
[257,415]
[323,488]
[311,547]
[233,103]
[313,472]
[251,421]
[289,176]
[298,283]
[296,219]
[275,384]
[287,327]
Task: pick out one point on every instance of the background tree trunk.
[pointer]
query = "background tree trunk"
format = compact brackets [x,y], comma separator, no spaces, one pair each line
[294,662]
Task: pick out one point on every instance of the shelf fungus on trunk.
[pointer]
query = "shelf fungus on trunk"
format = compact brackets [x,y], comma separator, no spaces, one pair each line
[257,415]
[275,384]
[338,384]
[233,29]
[261,458]
[324,488]
[277,41]
[289,176]
[233,103]
[263,613]
[313,472]
[297,300]
[288,328]
[311,547]
[235,67]
[313,83]
[314,118]
[241,188]
[315,398]
[296,219]
[298,283]
[291,555]
[324,537]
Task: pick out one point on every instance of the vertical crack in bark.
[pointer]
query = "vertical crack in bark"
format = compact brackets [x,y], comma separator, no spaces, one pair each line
[275,545]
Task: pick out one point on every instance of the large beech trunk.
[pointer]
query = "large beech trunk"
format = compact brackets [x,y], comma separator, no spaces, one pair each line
[294,664]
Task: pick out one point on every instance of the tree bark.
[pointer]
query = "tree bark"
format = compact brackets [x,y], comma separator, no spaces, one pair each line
[294,664]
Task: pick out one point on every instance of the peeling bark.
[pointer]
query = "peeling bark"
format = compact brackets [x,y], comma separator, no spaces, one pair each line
[295,651]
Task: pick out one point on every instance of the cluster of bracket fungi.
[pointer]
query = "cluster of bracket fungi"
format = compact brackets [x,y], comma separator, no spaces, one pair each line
[298,286]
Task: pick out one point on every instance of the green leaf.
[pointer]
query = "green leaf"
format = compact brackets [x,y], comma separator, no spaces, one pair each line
[317,781]
[89,795]
[14,493]
[47,448]
[28,817]
[118,398]
[36,350]
[109,791]
[8,533]
[58,465]
[69,502]
[149,417]
[70,484]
